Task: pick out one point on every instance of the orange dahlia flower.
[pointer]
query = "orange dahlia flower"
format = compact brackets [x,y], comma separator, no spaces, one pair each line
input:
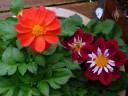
[37,27]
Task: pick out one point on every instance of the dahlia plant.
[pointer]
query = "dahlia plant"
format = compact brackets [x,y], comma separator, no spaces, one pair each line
[41,55]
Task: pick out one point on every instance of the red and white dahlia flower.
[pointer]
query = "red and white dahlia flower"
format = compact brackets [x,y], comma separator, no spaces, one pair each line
[103,59]
[76,42]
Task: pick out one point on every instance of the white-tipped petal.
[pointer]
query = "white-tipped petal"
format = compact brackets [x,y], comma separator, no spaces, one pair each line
[99,50]
[110,68]
[106,51]
[90,55]
[107,55]
[90,61]
[100,70]
[79,53]
[106,69]
[93,55]
[93,64]
[112,64]
[78,39]
[95,69]
[111,61]
[74,39]
[70,45]
[83,43]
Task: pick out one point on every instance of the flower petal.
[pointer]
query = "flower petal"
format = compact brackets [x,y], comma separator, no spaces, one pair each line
[79,32]
[47,46]
[116,73]
[100,70]
[49,17]
[106,69]
[26,13]
[25,22]
[112,45]
[90,75]
[25,39]
[87,37]
[40,15]
[54,25]
[105,78]
[100,43]
[65,44]
[80,60]
[86,50]
[39,44]
[18,28]
[52,39]
[96,68]
[74,55]
[119,58]
[54,32]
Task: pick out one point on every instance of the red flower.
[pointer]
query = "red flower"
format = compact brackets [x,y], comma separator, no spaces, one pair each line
[76,42]
[37,27]
[103,59]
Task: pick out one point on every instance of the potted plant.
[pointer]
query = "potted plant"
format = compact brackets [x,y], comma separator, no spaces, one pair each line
[42,55]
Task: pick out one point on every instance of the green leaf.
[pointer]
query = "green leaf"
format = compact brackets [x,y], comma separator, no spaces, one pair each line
[76,19]
[108,25]
[73,21]
[109,93]
[9,93]
[22,68]
[25,79]
[66,90]
[5,85]
[40,60]
[17,55]
[54,58]
[7,69]
[15,91]
[7,29]
[48,72]
[28,91]
[81,92]
[59,77]
[7,55]
[12,54]
[32,67]
[120,42]
[43,87]
[72,65]
[91,23]
[58,65]
[18,44]
[35,92]
[50,50]
[116,32]
[55,93]
[123,48]
[21,93]
[98,27]
[16,6]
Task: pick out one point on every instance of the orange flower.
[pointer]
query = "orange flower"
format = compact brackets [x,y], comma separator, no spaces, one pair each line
[38,27]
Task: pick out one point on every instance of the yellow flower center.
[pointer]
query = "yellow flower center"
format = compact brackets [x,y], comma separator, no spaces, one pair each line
[37,30]
[77,46]
[101,61]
